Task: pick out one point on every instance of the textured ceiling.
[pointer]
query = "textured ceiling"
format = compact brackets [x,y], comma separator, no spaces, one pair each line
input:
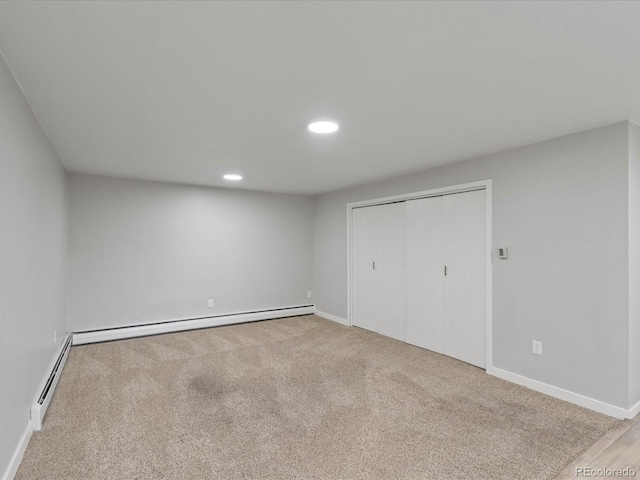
[185,92]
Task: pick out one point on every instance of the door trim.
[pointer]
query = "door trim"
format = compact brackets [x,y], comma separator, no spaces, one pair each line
[485,185]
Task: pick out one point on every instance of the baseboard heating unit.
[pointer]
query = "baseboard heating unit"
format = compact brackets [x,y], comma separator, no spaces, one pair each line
[171,326]
[39,408]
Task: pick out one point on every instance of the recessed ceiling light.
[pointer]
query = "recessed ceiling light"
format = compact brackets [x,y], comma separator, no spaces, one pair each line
[232,176]
[323,126]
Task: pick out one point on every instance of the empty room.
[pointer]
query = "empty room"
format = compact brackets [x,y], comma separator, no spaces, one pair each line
[319,240]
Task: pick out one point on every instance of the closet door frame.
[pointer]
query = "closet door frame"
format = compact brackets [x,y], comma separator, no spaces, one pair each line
[466,187]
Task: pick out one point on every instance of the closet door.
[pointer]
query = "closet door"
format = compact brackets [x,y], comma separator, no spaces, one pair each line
[390,268]
[378,269]
[464,298]
[424,272]
[364,227]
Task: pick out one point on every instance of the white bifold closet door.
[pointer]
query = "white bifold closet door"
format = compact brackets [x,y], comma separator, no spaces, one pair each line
[445,275]
[378,271]
[464,296]
[424,273]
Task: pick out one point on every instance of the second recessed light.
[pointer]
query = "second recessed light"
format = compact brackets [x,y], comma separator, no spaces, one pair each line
[232,176]
[323,126]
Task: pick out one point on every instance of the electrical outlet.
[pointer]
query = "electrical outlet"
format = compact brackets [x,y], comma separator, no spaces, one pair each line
[536,347]
[309,294]
[210,304]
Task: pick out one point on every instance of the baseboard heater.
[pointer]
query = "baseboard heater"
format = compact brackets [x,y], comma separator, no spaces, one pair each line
[39,409]
[171,326]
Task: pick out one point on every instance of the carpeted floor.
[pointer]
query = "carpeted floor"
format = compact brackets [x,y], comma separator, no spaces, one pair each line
[296,398]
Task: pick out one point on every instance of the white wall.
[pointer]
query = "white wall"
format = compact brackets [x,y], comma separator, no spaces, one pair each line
[634,264]
[561,207]
[142,252]
[32,261]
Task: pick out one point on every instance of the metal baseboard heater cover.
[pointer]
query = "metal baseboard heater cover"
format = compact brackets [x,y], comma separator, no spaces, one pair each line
[172,326]
[39,409]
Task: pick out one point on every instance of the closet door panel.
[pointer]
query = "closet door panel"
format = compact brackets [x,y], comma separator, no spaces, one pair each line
[464,285]
[390,262]
[363,243]
[424,273]
[378,269]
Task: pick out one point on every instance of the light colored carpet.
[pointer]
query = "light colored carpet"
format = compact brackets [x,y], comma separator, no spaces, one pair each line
[296,398]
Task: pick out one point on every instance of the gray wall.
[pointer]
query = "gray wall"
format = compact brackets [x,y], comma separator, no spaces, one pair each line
[32,260]
[634,264]
[561,207]
[143,252]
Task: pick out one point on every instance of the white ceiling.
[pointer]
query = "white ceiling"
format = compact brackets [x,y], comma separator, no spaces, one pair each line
[185,92]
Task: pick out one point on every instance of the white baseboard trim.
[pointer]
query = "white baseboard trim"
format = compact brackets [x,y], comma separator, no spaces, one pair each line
[12,468]
[39,408]
[82,338]
[566,395]
[334,318]
[635,410]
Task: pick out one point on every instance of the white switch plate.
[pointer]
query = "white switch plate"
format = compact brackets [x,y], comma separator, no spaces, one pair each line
[210,305]
[536,347]
[309,294]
